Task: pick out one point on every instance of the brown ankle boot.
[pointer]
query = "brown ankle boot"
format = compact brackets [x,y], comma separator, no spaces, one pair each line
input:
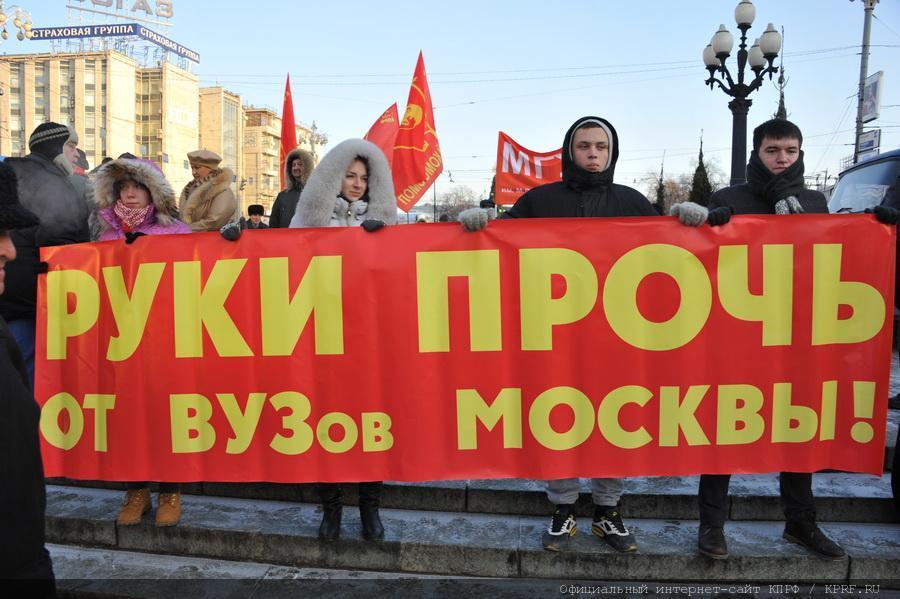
[135,505]
[169,511]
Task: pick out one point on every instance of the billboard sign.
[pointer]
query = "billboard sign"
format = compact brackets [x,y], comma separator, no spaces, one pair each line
[114,30]
[872,96]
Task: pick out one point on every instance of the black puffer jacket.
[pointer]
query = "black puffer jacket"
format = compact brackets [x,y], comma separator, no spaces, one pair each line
[743,201]
[286,202]
[582,193]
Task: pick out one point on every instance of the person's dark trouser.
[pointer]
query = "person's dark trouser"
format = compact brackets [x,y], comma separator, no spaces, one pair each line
[895,475]
[36,580]
[796,498]
[163,487]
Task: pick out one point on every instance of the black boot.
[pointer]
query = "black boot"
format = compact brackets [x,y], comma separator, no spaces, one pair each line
[369,500]
[332,508]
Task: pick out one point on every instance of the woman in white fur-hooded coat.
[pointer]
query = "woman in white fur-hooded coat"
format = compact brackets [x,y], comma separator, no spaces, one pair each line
[330,199]
[350,186]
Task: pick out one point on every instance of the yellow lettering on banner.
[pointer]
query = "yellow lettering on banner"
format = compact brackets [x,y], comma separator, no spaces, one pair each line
[774,306]
[539,418]
[284,317]
[49,423]
[130,313]
[829,410]
[376,432]
[739,404]
[471,409]
[61,324]
[608,416]
[620,297]
[323,429]
[829,292]
[301,437]
[101,404]
[482,269]
[790,423]
[196,310]
[677,416]
[539,310]
[184,423]
[242,422]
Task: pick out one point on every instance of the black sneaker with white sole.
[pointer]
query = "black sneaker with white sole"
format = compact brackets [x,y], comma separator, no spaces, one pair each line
[562,528]
[608,524]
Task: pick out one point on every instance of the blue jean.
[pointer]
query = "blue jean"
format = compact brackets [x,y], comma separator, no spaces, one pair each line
[23,332]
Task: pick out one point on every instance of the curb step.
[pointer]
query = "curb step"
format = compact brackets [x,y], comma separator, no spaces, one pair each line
[452,543]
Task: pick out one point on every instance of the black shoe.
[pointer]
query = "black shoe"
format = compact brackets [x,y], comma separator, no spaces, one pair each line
[811,536]
[711,542]
[608,524]
[372,529]
[562,528]
[894,402]
[332,510]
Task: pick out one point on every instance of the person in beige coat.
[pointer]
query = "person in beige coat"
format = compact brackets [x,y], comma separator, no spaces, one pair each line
[207,203]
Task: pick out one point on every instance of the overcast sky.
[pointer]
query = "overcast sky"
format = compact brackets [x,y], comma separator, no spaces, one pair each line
[531,68]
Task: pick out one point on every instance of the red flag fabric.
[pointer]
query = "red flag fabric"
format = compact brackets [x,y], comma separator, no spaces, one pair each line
[288,128]
[417,154]
[519,169]
[383,132]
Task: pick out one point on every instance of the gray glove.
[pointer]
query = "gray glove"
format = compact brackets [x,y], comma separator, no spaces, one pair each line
[689,213]
[474,219]
[231,231]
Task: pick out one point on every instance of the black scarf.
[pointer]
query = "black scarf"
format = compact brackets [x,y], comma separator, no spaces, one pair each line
[774,188]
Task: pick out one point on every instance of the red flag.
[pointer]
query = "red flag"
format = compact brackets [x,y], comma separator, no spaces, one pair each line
[288,128]
[383,132]
[417,154]
[519,169]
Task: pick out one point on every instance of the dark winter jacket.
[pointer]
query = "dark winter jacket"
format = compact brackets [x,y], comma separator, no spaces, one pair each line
[23,499]
[582,193]
[49,192]
[743,201]
[286,202]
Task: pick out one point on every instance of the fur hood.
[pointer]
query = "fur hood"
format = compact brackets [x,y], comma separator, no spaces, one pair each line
[161,193]
[308,166]
[317,200]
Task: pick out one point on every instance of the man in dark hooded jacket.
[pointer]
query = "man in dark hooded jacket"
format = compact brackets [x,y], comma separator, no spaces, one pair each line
[589,155]
[297,167]
[47,188]
[25,566]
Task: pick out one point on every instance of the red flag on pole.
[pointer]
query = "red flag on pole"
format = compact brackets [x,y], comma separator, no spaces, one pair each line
[383,132]
[417,154]
[288,128]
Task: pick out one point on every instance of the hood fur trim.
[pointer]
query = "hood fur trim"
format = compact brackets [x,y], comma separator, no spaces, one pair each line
[161,193]
[317,199]
[308,166]
[194,198]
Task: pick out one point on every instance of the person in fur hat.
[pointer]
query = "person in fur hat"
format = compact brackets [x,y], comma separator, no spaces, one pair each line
[134,198]
[297,167]
[207,202]
[255,214]
[25,565]
[351,186]
[47,188]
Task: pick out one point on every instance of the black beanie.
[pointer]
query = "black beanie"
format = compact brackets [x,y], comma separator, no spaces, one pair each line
[48,140]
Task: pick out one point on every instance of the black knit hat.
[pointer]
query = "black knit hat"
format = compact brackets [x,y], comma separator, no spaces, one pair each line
[12,214]
[258,209]
[48,139]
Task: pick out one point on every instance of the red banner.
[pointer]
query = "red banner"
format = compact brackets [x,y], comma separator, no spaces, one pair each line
[520,169]
[288,129]
[585,347]
[383,132]
[417,153]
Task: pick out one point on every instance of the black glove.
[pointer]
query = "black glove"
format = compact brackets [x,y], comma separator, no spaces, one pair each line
[231,231]
[719,216]
[131,236]
[885,214]
[371,225]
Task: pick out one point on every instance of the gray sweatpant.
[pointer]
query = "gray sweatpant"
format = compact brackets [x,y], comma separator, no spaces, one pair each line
[604,491]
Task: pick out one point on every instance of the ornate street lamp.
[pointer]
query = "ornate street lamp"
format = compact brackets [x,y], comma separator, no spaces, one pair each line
[20,18]
[760,57]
